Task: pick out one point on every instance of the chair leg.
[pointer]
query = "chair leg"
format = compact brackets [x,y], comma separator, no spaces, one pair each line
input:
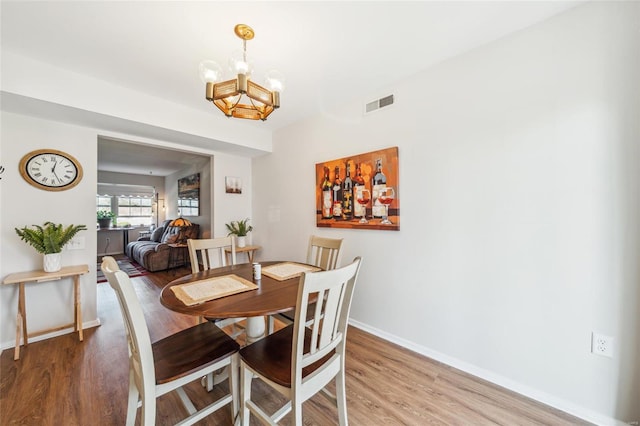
[132,404]
[296,412]
[341,397]
[209,380]
[148,409]
[234,387]
[246,376]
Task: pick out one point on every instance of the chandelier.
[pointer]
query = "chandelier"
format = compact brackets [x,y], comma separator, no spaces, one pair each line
[240,97]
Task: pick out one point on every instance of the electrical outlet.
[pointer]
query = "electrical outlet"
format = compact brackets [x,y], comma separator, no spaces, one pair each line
[76,243]
[601,344]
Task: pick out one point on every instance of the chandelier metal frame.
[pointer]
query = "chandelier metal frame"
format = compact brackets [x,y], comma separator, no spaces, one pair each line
[227,95]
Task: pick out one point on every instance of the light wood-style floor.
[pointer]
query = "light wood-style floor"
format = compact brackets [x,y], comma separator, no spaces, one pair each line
[61,381]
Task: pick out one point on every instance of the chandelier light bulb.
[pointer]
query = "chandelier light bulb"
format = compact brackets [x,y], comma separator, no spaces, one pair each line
[274,80]
[240,64]
[210,71]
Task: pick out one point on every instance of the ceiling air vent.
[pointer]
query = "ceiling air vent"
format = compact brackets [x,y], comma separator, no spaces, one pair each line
[378,103]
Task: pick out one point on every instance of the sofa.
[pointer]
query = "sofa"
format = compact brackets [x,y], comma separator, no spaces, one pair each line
[153,253]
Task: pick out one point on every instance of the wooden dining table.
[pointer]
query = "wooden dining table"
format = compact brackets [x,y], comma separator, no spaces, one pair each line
[271,297]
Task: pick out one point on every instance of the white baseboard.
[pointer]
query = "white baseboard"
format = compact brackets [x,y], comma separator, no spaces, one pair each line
[543,397]
[85,325]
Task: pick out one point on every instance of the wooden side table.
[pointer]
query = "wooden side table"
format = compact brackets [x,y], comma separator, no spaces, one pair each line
[250,250]
[39,277]
[178,255]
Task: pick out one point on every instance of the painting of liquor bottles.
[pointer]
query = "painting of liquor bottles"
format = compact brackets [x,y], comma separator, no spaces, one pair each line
[360,191]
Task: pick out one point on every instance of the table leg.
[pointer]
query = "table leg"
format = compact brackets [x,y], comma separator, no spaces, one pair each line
[21,323]
[77,306]
[255,329]
[125,240]
[250,256]
[23,311]
[16,351]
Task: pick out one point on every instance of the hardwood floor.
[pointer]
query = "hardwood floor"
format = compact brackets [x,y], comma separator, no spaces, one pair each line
[62,381]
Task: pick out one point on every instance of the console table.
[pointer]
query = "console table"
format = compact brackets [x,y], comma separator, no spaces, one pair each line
[250,250]
[39,277]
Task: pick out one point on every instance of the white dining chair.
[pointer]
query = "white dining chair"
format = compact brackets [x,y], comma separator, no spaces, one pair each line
[170,363]
[209,253]
[324,252]
[298,361]
[321,252]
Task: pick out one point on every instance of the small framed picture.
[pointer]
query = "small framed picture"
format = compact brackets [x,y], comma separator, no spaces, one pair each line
[233,185]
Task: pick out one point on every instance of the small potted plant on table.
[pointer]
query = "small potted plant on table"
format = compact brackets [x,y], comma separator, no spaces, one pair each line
[105,218]
[49,240]
[240,228]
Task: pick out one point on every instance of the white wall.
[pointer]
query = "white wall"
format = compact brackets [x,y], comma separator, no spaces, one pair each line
[48,304]
[230,207]
[203,167]
[520,204]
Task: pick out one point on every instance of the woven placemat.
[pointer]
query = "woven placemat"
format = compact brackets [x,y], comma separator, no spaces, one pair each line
[287,270]
[212,288]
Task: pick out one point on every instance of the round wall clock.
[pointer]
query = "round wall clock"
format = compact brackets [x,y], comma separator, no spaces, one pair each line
[51,170]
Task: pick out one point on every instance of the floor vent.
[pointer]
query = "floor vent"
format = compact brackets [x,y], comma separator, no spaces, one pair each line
[378,103]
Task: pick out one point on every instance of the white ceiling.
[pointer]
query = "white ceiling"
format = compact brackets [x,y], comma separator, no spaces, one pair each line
[126,157]
[328,51]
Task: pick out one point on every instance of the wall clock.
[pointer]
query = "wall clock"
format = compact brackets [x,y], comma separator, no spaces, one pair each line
[51,170]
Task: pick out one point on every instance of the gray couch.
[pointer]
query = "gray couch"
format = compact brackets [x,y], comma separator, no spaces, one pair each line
[153,253]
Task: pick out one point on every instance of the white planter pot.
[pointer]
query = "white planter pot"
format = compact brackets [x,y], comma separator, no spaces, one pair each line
[242,241]
[52,262]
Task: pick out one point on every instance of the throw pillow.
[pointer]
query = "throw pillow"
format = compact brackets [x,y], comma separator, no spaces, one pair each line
[156,235]
[172,239]
[171,235]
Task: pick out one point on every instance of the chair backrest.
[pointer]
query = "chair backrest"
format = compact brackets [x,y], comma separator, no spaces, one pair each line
[140,353]
[209,253]
[324,252]
[329,329]
[109,263]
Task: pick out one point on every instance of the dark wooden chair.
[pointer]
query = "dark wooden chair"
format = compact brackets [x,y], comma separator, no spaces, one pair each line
[299,361]
[168,364]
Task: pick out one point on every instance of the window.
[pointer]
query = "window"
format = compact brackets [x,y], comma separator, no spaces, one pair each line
[103,203]
[135,211]
[133,205]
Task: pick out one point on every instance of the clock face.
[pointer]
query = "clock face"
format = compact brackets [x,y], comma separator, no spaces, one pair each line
[51,170]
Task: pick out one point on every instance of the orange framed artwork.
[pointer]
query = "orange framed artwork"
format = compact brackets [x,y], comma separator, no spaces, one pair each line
[360,191]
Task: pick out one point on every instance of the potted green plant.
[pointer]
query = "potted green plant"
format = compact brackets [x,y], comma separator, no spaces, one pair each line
[105,218]
[49,240]
[239,228]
